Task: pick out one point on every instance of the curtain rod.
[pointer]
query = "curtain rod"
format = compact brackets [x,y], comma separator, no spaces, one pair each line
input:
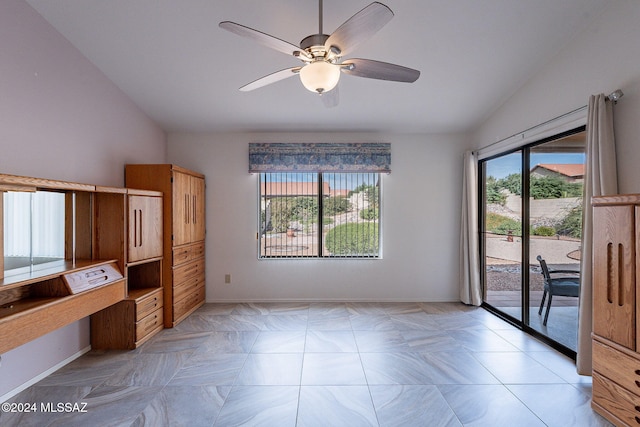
[613,96]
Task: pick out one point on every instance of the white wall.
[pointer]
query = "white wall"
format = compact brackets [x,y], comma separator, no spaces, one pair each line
[601,59]
[60,118]
[421,211]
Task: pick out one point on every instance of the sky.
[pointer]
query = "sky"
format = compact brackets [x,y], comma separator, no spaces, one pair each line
[506,165]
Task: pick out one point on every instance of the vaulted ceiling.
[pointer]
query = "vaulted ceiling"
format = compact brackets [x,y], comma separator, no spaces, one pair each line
[171,58]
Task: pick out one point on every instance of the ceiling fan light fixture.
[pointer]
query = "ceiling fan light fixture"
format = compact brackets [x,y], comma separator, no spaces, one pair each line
[320,76]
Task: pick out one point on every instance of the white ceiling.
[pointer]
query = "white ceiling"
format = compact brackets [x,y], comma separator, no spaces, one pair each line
[171,58]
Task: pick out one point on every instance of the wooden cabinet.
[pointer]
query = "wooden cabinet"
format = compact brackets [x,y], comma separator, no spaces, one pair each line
[616,353]
[87,275]
[131,322]
[184,234]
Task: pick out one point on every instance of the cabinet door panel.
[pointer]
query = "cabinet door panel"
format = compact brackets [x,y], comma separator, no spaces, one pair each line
[614,294]
[182,206]
[197,193]
[145,227]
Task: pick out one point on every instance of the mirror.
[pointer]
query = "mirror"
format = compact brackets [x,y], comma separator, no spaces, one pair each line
[34,231]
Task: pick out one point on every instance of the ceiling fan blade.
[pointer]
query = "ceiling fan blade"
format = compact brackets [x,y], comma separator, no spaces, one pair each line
[359,27]
[379,70]
[332,98]
[271,78]
[263,38]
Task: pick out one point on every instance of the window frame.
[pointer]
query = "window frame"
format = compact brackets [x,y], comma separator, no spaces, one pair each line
[319,179]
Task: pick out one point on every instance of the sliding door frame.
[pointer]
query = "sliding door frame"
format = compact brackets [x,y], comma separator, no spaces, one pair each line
[522,324]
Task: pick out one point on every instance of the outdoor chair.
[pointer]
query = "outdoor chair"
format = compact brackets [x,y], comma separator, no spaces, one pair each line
[564,283]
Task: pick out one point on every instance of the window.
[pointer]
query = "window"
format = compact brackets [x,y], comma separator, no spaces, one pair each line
[319,200]
[319,215]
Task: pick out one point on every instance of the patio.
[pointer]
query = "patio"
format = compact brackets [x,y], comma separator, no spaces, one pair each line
[562,324]
[503,281]
[504,293]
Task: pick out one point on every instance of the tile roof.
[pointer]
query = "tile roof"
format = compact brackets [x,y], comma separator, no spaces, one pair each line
[280,189]
[571,170]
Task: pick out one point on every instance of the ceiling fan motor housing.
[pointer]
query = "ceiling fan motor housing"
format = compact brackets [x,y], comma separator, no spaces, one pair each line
[314,45]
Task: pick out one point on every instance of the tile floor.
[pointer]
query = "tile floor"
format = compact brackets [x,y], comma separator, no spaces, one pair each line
[322,364]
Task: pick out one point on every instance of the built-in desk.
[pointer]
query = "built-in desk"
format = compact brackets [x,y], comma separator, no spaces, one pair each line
[34,305]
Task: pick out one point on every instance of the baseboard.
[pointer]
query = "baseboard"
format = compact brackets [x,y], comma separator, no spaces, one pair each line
[321,300]
[44,374]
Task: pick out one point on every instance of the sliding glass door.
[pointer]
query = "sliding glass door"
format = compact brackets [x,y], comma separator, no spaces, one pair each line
[502,232]
[532,215]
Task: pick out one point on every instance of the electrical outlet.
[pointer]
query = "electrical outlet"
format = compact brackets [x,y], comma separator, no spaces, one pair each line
[227,278]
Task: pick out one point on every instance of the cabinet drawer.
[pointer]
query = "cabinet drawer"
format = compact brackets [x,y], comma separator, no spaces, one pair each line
[182,307]
[148,304]
[616,400]
[197,250]
[181,290]
[149,324]
[617,366]
[181,255]
[188,271]
[187,253]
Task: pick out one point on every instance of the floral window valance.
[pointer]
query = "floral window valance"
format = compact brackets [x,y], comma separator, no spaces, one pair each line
[321,157]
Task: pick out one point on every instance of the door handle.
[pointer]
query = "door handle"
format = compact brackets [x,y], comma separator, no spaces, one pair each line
[140,226]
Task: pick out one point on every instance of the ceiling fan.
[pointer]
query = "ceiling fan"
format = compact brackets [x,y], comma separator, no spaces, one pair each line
[322,54]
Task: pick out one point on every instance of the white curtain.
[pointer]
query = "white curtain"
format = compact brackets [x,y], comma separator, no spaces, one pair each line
[17,224]
[48,224]
[601,178]
[470,288]
[34,224]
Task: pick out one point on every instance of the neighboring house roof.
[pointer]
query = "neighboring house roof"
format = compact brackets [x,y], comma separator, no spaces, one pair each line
[570,170]
[339,193]
[282,189]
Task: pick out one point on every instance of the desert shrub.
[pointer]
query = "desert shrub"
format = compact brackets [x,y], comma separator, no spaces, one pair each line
[305,208]
[282,213]
[499,224]
[369,214]
[571,225]
[285,210]
[544,230]
[335,205]
[552,187]
[512,182]
[495,196]
[493,193]
[353,239]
